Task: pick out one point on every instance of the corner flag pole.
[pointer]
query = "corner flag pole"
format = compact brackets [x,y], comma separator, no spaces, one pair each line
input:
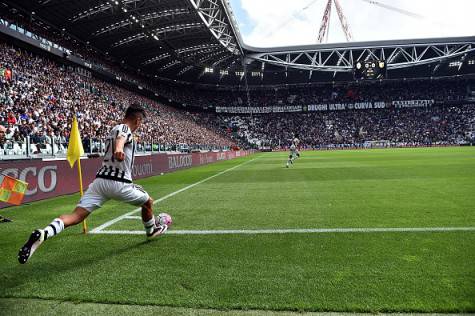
[84,223]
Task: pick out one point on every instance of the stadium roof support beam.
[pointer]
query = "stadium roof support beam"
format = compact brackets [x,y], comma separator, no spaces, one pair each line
[216,20]
[186,69]
[144,19]
[342,60]
[157,58]
[109,5]
[219,61]
[160,33]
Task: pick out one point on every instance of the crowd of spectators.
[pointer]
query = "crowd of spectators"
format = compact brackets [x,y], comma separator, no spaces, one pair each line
[403,127]
[74,46]
[38,98]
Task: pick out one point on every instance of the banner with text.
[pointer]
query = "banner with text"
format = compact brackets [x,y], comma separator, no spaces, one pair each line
[322,107]
[259,109]
[413,104]
[47,179]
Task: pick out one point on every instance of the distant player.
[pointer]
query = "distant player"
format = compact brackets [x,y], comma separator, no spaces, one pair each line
[113,181]
[294,151]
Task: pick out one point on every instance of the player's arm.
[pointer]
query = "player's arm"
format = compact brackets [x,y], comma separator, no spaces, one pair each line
[123,134]
[119,148]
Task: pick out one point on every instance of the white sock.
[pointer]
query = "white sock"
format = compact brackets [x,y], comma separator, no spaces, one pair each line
[149,225]
[56,226]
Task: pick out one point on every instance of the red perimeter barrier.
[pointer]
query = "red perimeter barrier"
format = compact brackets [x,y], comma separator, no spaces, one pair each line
[47,179]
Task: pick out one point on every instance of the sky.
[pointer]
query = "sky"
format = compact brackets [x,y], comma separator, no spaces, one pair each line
[268,23]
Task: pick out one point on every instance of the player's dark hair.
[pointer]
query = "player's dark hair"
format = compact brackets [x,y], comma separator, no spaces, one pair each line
[134,110]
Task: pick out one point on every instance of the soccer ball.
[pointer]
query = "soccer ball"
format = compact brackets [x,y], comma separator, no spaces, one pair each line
[165,219]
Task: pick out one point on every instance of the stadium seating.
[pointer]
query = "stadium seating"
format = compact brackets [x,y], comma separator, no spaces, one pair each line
[438,125]
[39,101]
[42,96]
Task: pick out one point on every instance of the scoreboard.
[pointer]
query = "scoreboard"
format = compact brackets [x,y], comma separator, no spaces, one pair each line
[369,70]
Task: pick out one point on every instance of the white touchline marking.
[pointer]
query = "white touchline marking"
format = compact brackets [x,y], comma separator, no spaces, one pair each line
[126,215]
[133,217]
[293,231]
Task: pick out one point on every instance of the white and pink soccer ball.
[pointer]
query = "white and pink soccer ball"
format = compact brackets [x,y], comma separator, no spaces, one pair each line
[165,219]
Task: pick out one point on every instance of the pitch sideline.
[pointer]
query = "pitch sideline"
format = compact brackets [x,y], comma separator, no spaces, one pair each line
[296,231]
[100,228]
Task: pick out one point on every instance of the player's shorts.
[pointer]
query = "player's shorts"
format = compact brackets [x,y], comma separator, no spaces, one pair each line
[102,190]
[294,153]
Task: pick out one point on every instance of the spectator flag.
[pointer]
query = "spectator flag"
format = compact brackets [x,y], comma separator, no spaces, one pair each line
[75,150]
[12,190]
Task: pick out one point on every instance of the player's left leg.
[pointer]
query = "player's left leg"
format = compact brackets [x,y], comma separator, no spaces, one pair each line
[151,223]
[292,157]
[38,236]
[92,199]
[136,195]
[289,161]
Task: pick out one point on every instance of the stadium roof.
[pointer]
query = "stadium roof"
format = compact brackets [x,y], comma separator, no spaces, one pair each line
[199,41]
[169,38]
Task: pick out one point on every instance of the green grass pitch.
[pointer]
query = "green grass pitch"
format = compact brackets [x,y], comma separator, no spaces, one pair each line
[353,272]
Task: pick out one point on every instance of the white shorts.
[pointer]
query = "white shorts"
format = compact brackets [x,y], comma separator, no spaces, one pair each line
[102,190]
[294,152]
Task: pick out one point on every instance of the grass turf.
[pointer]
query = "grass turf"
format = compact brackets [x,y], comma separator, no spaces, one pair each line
[39,307]
[356,272]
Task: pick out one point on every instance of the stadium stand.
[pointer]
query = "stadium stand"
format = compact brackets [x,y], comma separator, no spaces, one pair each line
[440,125]
[449,119]
[38,97]
[438,90]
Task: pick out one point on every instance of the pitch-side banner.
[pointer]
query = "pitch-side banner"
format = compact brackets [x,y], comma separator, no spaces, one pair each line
[322,107]
[47,179]
[369,105]
[259,109]
[346,106]
[413,103]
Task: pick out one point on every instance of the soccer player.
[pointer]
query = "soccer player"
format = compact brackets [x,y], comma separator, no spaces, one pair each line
[113,181]
[294,152]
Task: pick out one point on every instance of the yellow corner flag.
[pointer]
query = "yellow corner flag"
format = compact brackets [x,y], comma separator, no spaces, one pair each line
[75,151]
[12,190]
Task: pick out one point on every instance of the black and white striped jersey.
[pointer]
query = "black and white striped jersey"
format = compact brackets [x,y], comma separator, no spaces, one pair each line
[112,168]
[296,142]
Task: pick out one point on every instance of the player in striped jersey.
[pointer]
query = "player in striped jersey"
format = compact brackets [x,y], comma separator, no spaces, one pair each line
[294,151]
[113,181]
